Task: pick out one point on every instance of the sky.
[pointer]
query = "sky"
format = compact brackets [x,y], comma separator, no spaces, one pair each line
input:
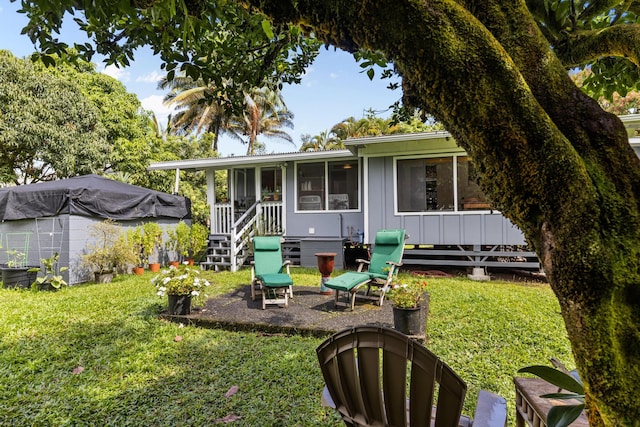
[333,88]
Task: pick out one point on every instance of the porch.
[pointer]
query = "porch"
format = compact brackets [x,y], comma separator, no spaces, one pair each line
[232,228]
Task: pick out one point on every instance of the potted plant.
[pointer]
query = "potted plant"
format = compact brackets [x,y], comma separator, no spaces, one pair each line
[276,192]
[266,194]
[197,242]
[561,415]
[16,273]
[180,284]
[52,278]
[410,307]
[135,239]
[151,243]
[178,242]
[109,252]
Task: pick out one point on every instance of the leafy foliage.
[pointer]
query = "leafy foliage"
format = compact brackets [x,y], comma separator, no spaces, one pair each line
[48,129]
[408,295]
[181,280]
[221,43]
[560,415]
[52,272]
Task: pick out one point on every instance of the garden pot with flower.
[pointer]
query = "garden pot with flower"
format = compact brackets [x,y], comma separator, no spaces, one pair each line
[180,284]
[410,307]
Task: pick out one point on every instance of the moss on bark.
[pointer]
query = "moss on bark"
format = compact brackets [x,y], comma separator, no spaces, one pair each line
[550,158]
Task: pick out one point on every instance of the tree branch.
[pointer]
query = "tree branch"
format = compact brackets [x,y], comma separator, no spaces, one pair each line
[587,46]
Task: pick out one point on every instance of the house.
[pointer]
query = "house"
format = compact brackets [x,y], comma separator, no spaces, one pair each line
[335,201]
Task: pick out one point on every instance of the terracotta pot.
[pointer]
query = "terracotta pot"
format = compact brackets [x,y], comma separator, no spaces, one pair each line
[154,266]
[138,270]
[191,261]
[174,263]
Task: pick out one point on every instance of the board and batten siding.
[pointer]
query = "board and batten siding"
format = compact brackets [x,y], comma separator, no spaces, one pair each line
[299,224]
[432,228]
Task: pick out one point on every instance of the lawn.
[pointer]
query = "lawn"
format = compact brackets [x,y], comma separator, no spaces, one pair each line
[99,355]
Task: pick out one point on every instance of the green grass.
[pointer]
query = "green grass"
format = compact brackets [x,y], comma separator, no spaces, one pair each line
[135,372]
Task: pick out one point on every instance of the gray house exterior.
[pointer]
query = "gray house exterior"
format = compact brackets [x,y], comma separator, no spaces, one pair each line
[335,201]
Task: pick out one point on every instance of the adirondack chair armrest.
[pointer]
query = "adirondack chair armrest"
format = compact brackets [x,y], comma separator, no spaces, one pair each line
[491,410]
[362,263]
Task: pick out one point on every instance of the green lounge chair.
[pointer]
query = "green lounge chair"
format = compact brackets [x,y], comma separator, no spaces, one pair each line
[385,261]
[368,382]
[269,275]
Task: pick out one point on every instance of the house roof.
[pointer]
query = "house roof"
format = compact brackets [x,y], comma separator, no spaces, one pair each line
[90,195]
[248,161]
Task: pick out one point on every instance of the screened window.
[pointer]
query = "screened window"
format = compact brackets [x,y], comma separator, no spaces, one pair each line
[327,186]
[470,196]
[438,184]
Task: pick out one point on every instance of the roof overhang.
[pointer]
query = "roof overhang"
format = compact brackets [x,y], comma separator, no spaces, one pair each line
[407,143]
[250,161]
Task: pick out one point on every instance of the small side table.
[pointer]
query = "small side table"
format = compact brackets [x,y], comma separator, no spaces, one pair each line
[532,409]
[325,265]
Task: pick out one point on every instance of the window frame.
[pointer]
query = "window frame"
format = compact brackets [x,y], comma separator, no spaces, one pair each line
[454,167]
[325,189]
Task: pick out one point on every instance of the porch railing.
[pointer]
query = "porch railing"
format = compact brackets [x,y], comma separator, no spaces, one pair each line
[271,218]
[222,221]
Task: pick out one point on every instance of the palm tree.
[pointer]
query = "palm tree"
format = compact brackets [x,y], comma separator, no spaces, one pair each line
[325,141]
[265,114]
[199,109]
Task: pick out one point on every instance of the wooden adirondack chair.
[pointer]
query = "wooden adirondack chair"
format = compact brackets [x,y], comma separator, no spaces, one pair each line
[377,376]
[386,259]
[270,276]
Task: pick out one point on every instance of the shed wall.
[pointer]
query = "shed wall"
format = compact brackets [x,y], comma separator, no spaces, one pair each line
[66,234]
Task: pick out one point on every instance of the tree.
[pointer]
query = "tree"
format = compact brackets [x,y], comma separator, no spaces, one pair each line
[325,141]
[200,111]
[494,73]
[265,114]
[48,128]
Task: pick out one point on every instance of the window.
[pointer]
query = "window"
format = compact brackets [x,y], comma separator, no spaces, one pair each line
[470,196]
[271,182]
[425,185]
[327,185]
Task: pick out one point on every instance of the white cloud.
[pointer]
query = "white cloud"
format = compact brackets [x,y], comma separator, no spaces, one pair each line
[333,75]
[117,73]
[155,104]
[152,77]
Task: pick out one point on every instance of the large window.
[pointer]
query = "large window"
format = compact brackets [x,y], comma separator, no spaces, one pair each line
[327,186]
[438,184]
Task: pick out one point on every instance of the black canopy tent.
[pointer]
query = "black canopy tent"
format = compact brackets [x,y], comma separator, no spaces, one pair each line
[56,216]
[92,196]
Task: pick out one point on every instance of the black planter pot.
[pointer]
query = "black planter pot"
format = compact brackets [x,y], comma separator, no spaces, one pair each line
[179,304]
[412,321]
[103,277]
[18,277]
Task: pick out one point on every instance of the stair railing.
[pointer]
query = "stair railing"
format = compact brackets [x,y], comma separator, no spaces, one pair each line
[259,218]
[242,230]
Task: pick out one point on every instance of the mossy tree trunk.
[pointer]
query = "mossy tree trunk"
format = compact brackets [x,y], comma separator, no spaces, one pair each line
[550,159]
